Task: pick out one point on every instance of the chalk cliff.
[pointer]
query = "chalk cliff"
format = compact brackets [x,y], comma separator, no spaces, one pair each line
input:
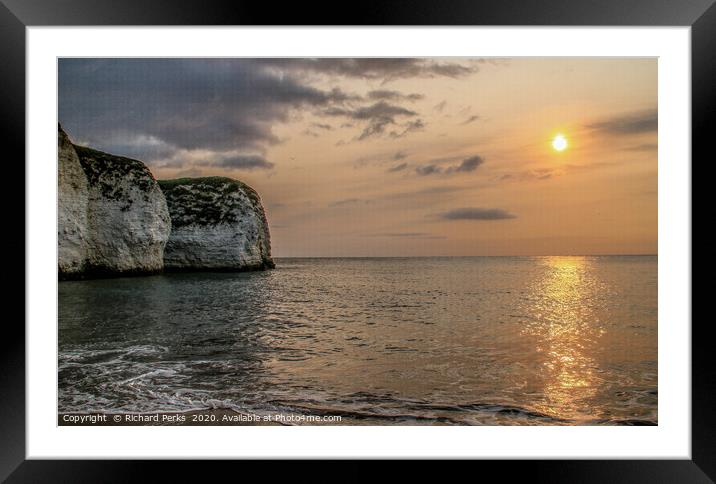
[113,217]
[72,199]
[127,214]
[217,224]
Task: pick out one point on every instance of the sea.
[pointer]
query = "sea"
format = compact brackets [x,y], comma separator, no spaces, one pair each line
[375,341]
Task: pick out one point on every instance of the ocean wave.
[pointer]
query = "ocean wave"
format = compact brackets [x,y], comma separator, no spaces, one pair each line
[365,406]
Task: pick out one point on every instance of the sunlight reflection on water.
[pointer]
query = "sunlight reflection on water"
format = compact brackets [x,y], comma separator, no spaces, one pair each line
[567,329]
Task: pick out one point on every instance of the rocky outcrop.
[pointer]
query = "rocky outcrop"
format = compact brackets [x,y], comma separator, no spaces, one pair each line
[114,221]
[217,224]
[127,215]
[72,199]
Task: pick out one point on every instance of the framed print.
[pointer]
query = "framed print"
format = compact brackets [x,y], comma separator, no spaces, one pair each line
[439,232]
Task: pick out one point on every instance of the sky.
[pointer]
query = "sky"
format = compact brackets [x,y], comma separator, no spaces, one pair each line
[396,156]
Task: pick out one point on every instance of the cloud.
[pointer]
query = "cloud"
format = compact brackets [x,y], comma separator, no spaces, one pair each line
[469,120]
[429,194]
[181,104]
[385,69]
[380,109]
[467,165]
[347,201]
[644,147]
[527,175]
[409,235]
[440,107]
[590,166]
[378,116]
[169,110]
[244,162]
[426,170]
[381,159]
[376,127]
[409,127]
[138,146]
[396,168]
[388,95]
[628,124]
[474,213]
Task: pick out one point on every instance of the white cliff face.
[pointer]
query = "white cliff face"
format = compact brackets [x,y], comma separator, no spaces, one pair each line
[217,224]
[72,200]
[114,219]
[127,217]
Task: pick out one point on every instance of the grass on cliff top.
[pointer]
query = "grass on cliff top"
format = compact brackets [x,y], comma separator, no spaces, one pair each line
[97,162]
[212,181]
[207,200]
[108,171]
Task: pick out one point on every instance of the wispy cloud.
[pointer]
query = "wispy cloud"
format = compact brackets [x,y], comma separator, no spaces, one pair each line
[430,193]
[467,165]
[425,170]
[409,235]
[475,213]
[348,201]
[389,95]
[380,109]
[383,69]
[409,127]
[526,175]
[244,162]
[398,167]
[627,124]
[378,116]
[644,147]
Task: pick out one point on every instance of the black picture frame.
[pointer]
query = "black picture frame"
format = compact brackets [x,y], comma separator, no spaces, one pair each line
[16,15]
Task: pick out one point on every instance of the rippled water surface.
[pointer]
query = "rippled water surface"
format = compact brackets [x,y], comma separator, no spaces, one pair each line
[478,340]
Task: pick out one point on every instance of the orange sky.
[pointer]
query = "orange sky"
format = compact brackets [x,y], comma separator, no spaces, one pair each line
[461,164]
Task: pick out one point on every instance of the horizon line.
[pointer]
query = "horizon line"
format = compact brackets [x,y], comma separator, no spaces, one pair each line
[456,256]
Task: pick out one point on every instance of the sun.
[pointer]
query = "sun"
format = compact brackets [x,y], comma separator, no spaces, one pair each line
[559,143]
